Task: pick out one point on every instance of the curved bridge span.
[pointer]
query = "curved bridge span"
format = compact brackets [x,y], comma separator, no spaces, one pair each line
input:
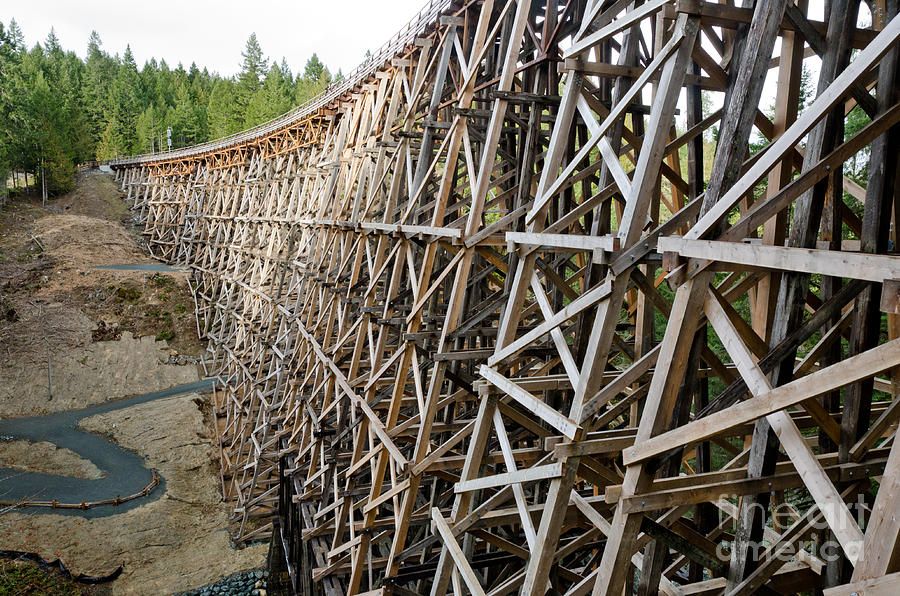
[547,297]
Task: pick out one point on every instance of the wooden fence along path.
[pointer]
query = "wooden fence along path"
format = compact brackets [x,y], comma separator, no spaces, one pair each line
[488,318]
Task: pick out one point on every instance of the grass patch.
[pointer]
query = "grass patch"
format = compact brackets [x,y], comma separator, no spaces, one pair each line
[127,294]
[18,577]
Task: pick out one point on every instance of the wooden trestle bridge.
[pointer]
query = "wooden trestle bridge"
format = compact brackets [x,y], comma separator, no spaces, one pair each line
[487,318]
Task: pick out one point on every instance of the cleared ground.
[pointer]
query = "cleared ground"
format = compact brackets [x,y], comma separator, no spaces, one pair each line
[71,336]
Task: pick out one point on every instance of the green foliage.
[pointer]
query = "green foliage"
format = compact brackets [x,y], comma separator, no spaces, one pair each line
[27,578]
[272,99]
[57,110]
[858,166]
[42,127]
[222,114]
[253,69]
[314,80]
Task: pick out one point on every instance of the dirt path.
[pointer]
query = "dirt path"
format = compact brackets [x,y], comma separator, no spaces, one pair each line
[72,336]
[122,472]
[174,543]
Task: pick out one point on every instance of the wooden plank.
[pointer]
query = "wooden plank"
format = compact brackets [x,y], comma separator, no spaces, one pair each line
[563,424]
[462,565]
[586,300]
[835,511]
[533,474]
[881,551]
[887,585]
[877,268]
[572,241]
[767,401]
[822,104]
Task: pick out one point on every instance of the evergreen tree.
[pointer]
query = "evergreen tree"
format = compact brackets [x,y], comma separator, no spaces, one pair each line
[314,80]
[146,131]
[273,99]
[286,72]
[42,147]
[249,80]
[222,115]
[314,68]
[165,85]
[16,38]
[188,127]
[52,43]
[123,99]
[7,65]
[98,78]
[193,72]
[57,110]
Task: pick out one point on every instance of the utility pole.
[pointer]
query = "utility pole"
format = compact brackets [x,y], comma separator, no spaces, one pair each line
[43,184]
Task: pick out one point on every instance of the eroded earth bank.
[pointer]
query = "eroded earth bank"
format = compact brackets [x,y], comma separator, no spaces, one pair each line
[72,336]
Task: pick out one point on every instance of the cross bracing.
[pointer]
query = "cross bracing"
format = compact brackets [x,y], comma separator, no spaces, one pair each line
[523,306]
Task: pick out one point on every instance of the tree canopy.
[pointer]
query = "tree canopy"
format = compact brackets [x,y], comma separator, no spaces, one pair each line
[57,110]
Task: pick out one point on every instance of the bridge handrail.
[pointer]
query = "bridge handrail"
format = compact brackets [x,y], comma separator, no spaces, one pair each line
[406,35]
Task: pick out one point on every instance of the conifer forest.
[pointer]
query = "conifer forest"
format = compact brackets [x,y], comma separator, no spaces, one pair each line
[58,110]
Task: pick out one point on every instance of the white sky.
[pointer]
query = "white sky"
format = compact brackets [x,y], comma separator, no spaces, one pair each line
[213,33]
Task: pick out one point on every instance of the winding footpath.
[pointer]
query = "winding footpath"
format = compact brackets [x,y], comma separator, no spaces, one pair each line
[125,472]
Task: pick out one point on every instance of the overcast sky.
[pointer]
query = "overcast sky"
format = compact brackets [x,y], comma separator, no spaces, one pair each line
[213,33]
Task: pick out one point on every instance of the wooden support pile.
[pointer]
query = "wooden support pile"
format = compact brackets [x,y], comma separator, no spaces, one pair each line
[488,317]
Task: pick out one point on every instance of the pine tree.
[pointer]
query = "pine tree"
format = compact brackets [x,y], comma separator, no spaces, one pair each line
[249,80]
[221,113]
[314,69]
[43,146]
[6,104]
[286,72]
[165,85]
[187,127]
[16,38]
[123,99]
[193,73]
[314,80]
[57,110]
[146,131]
[98,78]
[273,99]
[254,65]
[52,43]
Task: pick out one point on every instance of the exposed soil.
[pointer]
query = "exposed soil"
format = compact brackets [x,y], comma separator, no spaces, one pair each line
[172,544]
[46,458]
[90,373]
[71,336]
[46,258]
